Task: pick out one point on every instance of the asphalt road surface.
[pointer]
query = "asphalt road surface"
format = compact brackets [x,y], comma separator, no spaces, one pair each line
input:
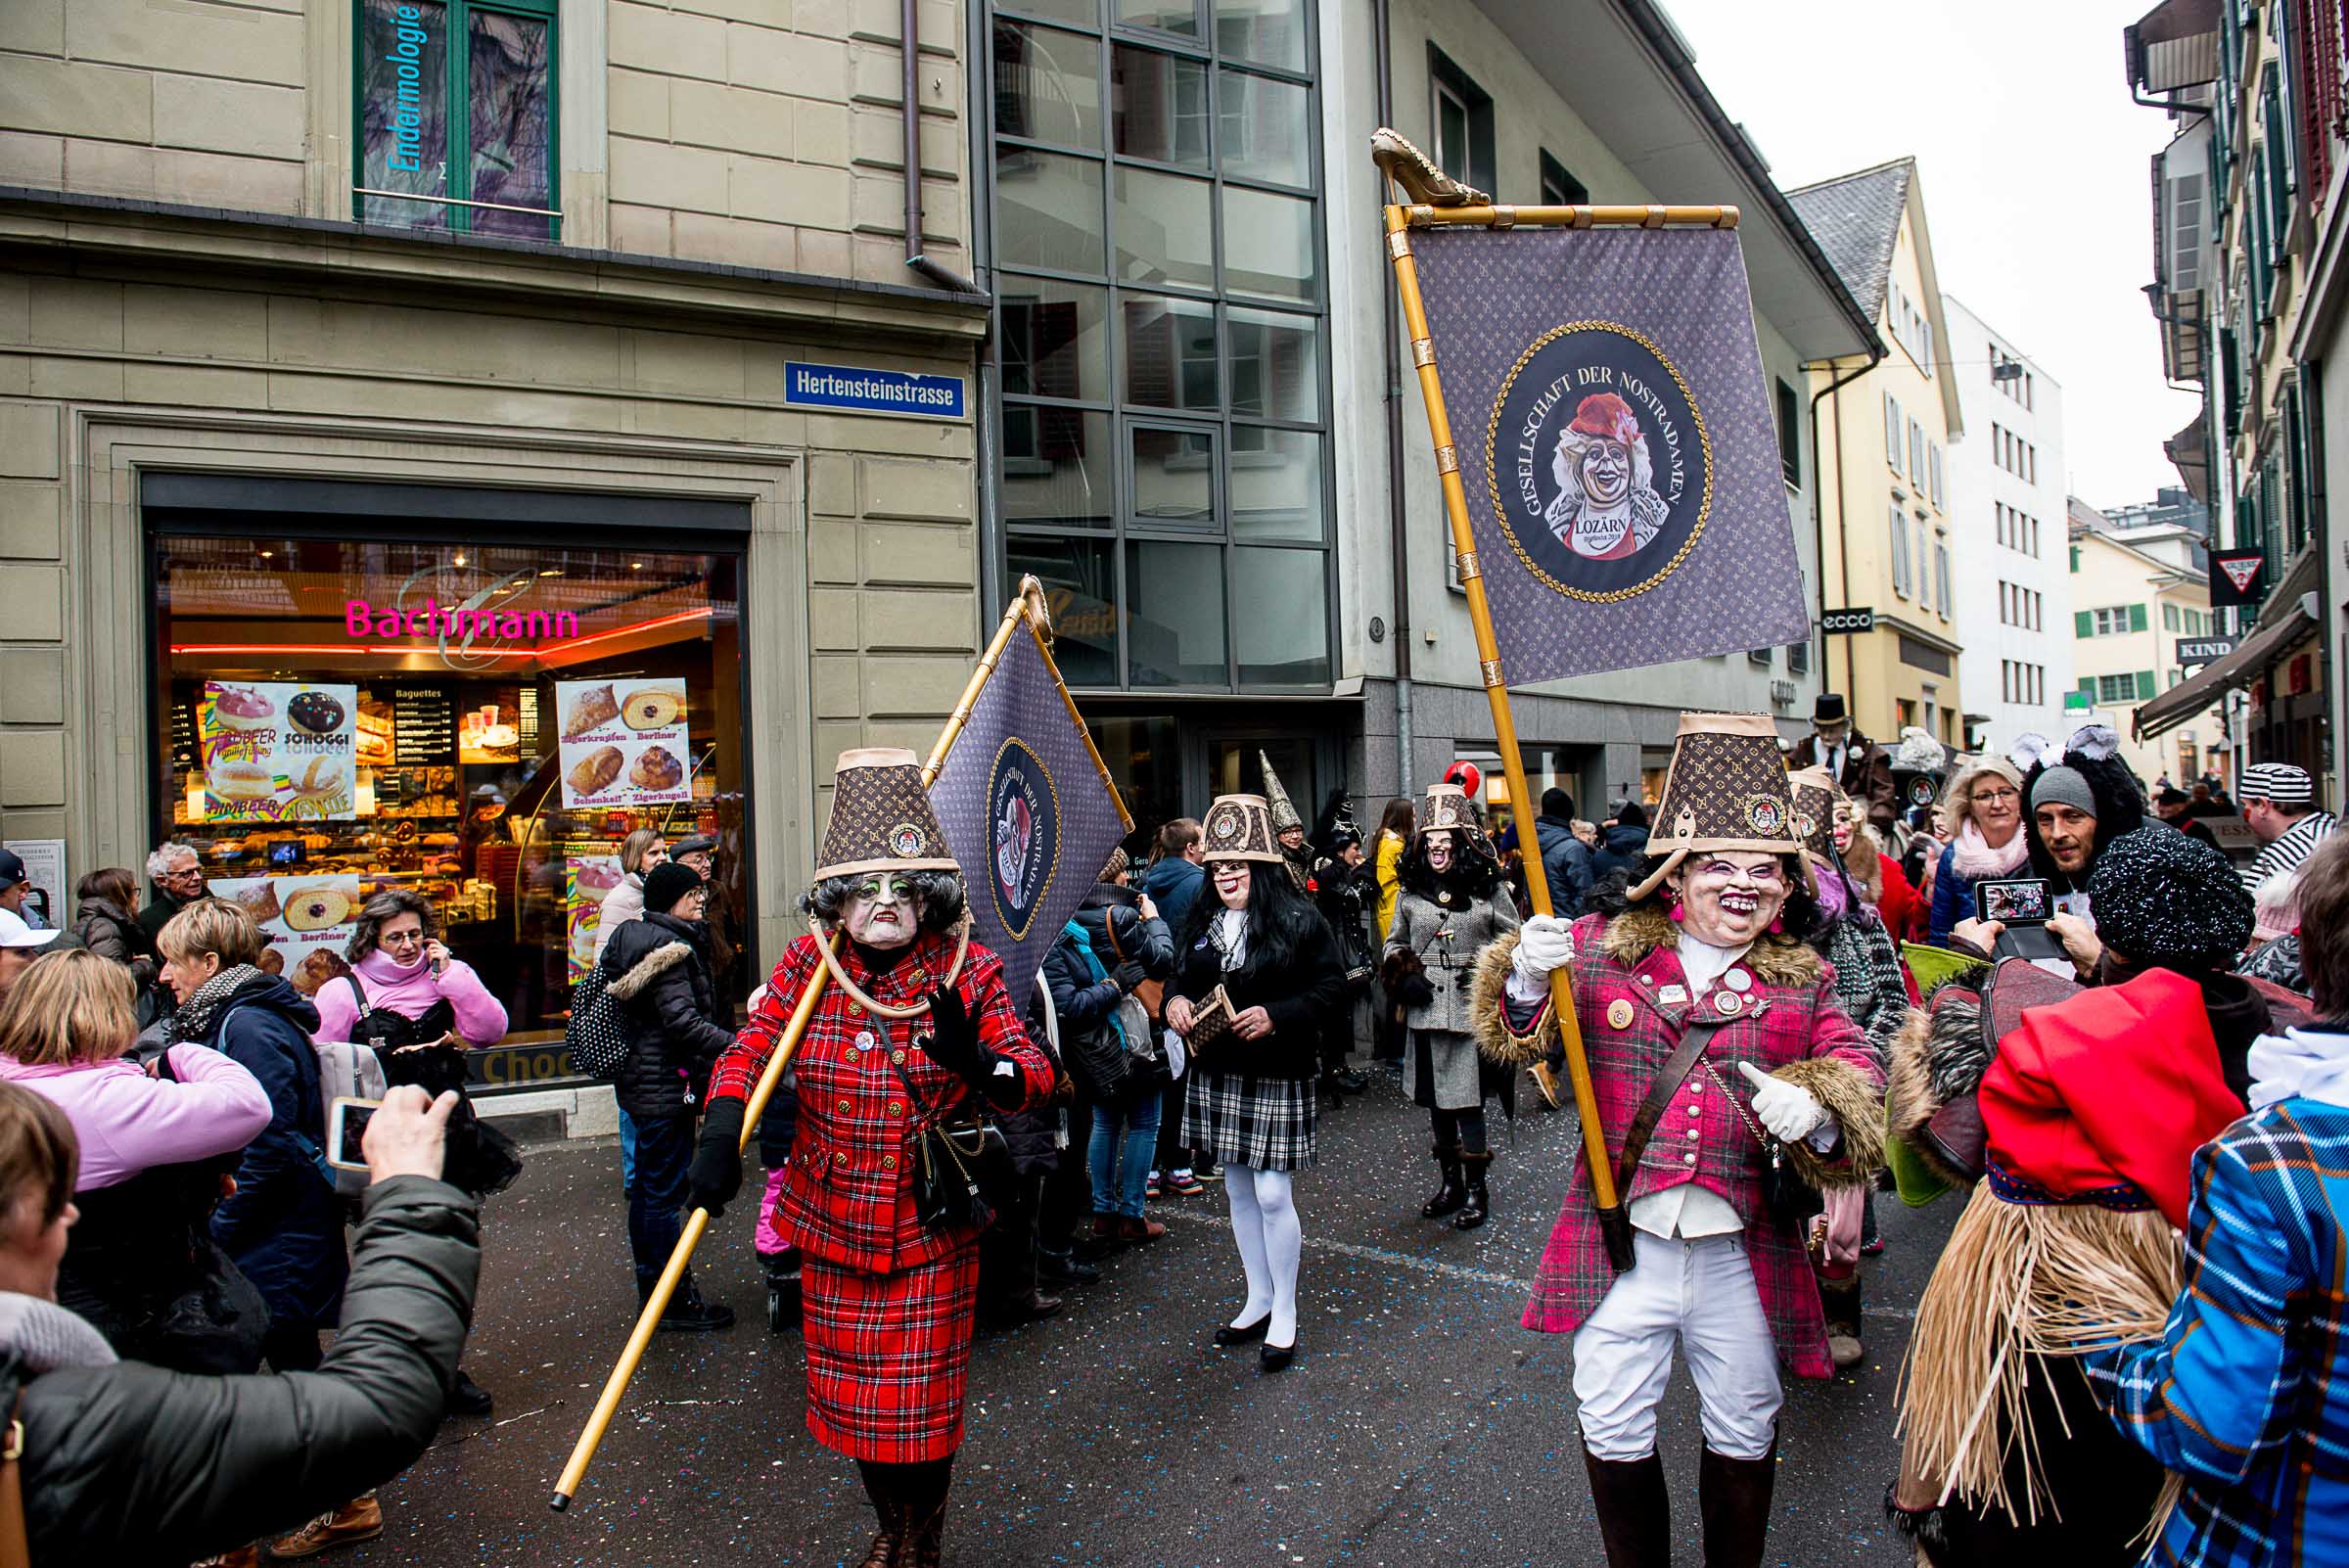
[1420,1426]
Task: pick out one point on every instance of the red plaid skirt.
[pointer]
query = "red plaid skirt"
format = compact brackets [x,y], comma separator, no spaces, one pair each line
[889,1356]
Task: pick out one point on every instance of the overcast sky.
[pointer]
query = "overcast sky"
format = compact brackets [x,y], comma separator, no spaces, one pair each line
[2033,163]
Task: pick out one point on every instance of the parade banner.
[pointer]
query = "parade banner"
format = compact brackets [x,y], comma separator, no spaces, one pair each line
[1028,807]
[1615,437]
[623,742]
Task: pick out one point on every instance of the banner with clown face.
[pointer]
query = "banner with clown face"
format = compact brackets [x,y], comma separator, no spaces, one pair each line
[1614,433]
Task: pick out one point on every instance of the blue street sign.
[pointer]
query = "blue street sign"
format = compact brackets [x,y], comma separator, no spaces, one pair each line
[871,391]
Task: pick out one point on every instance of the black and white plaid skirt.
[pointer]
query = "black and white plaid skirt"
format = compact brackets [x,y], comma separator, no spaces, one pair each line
[1267,1123]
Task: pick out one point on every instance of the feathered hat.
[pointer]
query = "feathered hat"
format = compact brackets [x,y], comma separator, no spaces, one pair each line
[881,818]
[1239,827]
[1284,811]
[1919,765]
[1726,789]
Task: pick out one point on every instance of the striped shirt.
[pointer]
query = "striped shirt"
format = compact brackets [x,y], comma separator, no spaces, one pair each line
[2288,848]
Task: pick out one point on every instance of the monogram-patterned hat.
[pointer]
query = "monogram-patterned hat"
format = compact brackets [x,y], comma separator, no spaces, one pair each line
[1726,790]
[1817,799]
[1239,827]
[1284,809]
[1447,807]
[881,818]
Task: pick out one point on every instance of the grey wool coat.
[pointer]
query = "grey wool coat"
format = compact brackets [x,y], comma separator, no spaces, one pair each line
[1447,943]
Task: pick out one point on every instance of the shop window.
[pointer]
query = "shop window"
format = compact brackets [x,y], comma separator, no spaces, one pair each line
[1081,591]
[456,111]
[482,724]
[1161,106]
[1279,620]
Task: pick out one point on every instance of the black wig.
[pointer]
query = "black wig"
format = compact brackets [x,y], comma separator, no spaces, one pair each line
[1280,918]
[1475,867]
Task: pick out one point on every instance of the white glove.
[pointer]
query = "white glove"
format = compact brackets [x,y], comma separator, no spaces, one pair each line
[1789,1112]
[1543,943]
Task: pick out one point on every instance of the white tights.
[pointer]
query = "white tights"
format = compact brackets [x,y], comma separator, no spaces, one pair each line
[1263,1222]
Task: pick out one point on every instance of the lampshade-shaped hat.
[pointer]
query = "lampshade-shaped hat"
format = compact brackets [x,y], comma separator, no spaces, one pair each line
[1726,789]
[881,818]
[1239,827]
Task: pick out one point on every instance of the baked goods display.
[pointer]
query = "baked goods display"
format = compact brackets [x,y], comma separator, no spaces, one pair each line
[589,710]
[322,788]
[259,901]
[595,772]
[651,707]
[315,712]
[242,707]
[315,908]
[240,781]
[318,966]
[656,768]
[596,878]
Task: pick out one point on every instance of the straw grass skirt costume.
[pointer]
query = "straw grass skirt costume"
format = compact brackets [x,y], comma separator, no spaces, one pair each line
[1716,1273]
[887,1305]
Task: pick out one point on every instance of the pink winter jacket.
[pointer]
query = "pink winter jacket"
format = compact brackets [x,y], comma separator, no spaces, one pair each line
[128,1121]
[411,992]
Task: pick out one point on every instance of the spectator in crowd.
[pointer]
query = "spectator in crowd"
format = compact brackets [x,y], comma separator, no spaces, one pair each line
[1586,831]
[2174,807]
[641,852]
[422,1010]
[1982,817]
[141,1265]
[1622,842]
[657,972]
[2275,956]
[2279,807]
[177,877]
[2243,1395]
[1565,857]
[19,946]
[1343,890]
[136,1467]
[700,853]
[2076,802]
[104,924]
[1040,1140]
[1173,881]
[1875,875]
[1395,825]
[17,892]
[1115,942]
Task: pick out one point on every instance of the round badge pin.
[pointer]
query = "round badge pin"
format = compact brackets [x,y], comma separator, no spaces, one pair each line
[1738,980]
[1728,1004]
[1619,1014]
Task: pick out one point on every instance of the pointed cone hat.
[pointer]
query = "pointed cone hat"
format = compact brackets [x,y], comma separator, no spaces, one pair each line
[1284,809]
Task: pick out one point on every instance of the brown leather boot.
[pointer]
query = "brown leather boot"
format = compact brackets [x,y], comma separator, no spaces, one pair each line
[924,1539]
[1841,1300]
[1634,1511]
[889,1546]
[1734,1497]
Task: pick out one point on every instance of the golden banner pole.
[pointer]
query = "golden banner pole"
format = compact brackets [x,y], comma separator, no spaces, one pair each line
[1027,605]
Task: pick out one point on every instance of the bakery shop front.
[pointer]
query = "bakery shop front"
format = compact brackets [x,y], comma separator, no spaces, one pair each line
[479,710]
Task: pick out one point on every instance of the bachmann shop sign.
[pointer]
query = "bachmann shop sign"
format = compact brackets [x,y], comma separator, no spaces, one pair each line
[871,391]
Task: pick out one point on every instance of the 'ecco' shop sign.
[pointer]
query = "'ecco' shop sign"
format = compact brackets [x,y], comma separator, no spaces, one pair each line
[871,391]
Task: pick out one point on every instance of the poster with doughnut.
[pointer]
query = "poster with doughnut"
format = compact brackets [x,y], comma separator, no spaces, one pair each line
[586,880]
[278,751]
[306,921]
[623,742]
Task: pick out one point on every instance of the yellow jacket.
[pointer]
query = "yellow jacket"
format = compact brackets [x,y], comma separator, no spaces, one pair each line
[1389,870]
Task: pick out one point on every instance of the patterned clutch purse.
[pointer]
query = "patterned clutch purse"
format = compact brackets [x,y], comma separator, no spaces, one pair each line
[1210,1021]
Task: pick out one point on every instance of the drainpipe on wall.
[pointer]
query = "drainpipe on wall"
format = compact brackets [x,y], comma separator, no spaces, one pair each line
[909,45]
[1819,522]
[1397,510]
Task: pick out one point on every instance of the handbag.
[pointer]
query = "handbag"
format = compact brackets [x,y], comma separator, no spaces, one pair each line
[1210,1021]
[962,1170]
[1786,1197]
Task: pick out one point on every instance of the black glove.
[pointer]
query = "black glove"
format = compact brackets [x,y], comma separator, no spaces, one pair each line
[1414,991]
[1128,976]
[715,1174]
[953,1043]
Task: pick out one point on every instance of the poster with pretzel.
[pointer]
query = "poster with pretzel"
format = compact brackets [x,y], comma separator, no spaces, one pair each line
[278,751]
[623,742]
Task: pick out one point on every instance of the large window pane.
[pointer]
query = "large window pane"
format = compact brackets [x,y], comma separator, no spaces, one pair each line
[1174,613]
[1056,468]
[511,84]
[1166,16]
[1277,485]
[1268,245]
[1280,616]
[1163,229]
[1056,339]
[1159,106]
[1276,365]
[1169,351]
[403,111]
[1079,13]
[1268,128]
[1174,477]
[1048,212]
[1081,592]
[1047,84]
[1270,32]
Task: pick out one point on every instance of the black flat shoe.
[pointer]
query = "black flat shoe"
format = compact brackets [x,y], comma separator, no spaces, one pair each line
[1270,1358]
[1228,1336]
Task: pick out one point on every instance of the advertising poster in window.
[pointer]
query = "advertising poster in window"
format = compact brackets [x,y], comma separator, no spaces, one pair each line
[278,752]
[306,921]
[586,880]
[623,742]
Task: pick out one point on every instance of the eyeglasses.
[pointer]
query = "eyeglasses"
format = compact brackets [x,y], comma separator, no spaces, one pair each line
[401,938]
[1993,797]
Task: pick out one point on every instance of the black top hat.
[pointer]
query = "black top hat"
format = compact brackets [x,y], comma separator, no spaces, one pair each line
[1829,709]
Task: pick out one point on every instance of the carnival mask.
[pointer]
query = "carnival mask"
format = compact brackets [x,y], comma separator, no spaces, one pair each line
[1439,850]
[883,910]
[1730,900]
[1606,473]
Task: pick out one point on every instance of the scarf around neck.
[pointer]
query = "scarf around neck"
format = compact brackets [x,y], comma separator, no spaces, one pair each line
[1228,931]
[48,1338]
[1972,858]
[194,1020]
[2300,1064]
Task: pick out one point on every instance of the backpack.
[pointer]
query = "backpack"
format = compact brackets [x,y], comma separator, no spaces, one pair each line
[1120,1060]
[594,1036]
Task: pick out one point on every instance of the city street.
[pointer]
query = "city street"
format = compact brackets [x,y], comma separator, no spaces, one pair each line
[1419,1425]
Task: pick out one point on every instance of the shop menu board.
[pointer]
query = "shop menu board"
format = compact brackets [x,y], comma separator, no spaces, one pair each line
[278,752]
[586,879]
[623,742]
[305,919]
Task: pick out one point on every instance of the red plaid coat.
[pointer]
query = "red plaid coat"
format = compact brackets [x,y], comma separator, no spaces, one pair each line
[848,1190]
[1624,974]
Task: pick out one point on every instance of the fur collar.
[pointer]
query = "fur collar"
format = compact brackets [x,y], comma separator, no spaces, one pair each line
[649,968]
[1775,960]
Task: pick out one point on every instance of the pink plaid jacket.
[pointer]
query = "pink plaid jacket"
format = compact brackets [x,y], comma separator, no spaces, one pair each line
[848,1190]
[1632,999]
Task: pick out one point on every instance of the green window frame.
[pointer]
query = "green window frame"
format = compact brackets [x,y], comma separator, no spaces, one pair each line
[452,197]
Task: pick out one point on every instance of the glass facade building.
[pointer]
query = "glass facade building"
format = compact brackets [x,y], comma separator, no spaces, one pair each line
[1162,397]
